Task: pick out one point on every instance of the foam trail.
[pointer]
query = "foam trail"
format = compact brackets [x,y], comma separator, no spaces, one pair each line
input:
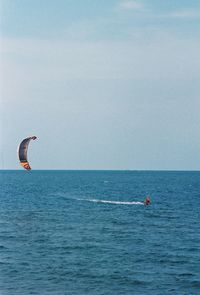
[112,202]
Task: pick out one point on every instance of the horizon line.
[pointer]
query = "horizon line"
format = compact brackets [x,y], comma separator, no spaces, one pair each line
[120,170]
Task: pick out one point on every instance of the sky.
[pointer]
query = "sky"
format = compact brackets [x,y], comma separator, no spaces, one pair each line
[103,84]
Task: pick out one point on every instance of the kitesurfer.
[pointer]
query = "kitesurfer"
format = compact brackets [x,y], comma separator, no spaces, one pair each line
[147,201]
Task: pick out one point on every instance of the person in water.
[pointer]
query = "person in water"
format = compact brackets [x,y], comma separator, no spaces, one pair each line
[147,201]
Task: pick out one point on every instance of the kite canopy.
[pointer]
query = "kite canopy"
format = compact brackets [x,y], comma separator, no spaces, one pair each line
[22,152]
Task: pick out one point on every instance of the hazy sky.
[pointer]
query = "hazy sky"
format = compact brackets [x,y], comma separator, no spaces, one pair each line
[104,84]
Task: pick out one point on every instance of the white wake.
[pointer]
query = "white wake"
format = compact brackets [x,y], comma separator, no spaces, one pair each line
[112,202]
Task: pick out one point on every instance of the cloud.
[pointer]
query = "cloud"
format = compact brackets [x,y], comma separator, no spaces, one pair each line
[28,64]
[183,14]
[131,5]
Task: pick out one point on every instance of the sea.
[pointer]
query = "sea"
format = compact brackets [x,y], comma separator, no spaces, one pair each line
[89,233]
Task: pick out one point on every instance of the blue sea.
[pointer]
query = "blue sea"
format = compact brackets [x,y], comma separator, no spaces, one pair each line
[83,233]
